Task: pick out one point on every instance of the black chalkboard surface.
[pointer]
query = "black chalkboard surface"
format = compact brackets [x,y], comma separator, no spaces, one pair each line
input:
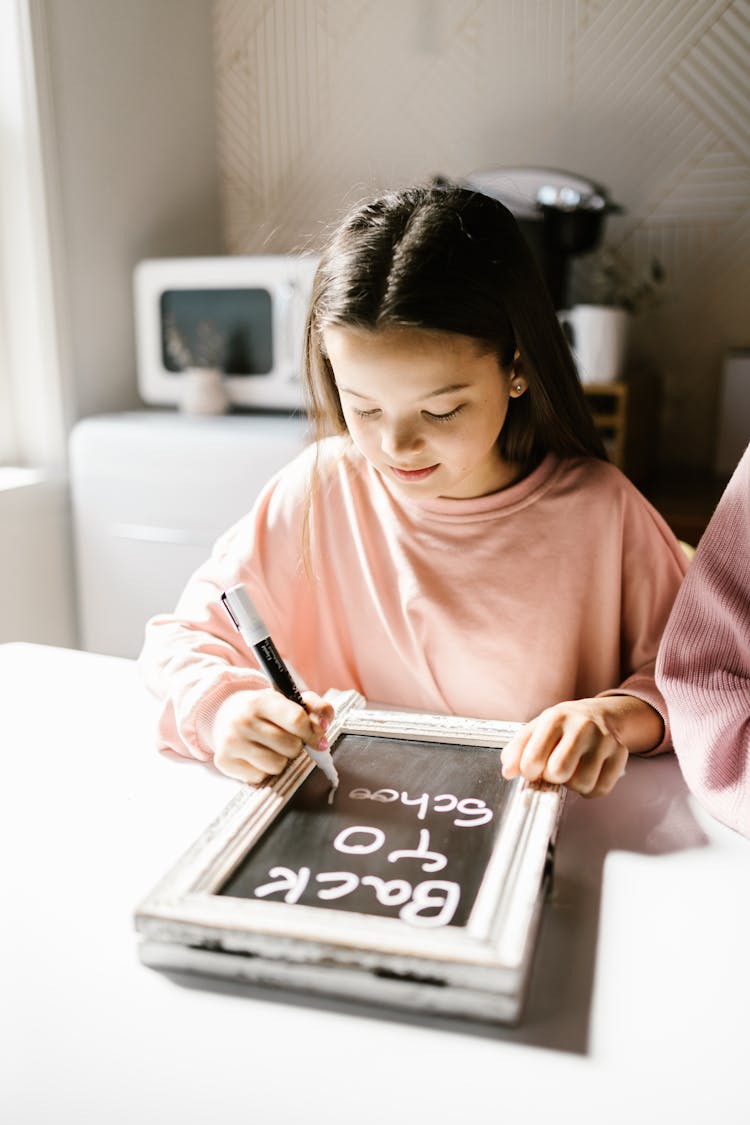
[408,835]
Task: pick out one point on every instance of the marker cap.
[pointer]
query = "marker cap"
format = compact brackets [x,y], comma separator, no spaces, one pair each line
[251,625]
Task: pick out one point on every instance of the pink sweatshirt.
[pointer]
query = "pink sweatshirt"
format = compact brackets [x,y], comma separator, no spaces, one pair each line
[704,661]
[555,588]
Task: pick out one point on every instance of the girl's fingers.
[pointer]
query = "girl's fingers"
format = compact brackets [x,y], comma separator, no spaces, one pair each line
[266,760]
[589,766]
[564,761]
[240,770]
[290,718]
[274,733]
[256,754]
[265,733]
[581,747]
[250,761]
[545,739]
[510,755]
[321,711]
[607,776]
[258,733]
[566,746]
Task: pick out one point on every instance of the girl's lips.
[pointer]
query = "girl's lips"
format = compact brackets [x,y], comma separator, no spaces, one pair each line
[413,474]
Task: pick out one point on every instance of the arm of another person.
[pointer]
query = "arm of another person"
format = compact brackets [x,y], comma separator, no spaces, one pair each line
[703,668]
[584,743]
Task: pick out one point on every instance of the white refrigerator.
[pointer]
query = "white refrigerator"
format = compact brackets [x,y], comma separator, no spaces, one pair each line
[151,493]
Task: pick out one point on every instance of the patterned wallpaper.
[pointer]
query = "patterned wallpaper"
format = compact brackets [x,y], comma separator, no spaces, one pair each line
[320,102]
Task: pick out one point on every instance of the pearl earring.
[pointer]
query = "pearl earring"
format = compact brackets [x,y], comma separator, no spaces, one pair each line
[518,388]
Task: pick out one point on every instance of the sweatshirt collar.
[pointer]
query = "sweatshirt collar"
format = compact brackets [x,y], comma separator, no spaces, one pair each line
[506,501]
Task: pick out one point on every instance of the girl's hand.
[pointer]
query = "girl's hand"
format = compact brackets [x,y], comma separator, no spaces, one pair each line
[256,733]
[572,744]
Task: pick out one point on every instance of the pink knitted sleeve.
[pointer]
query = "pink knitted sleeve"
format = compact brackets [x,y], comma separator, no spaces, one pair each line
[703,669]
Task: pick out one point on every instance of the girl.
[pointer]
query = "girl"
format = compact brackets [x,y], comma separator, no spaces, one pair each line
[455,541]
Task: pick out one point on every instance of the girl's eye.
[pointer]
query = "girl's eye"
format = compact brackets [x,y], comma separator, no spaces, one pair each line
[365,413]
[444,417]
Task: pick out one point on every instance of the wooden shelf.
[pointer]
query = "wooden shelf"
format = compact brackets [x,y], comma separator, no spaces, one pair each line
[626,415]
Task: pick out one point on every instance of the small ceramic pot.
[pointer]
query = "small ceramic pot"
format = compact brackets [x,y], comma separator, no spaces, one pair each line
[599,337]
[203,391]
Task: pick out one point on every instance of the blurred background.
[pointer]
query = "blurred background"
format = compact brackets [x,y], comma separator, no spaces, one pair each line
[170,128]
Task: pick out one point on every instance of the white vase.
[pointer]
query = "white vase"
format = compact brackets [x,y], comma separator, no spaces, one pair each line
[203,391]
[599,341]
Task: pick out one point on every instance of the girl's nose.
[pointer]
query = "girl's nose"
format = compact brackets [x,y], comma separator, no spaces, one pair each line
[398,441]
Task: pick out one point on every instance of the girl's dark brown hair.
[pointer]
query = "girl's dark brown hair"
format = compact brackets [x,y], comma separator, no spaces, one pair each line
[447,259]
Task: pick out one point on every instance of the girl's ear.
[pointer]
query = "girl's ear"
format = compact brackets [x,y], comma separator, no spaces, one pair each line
[518,382]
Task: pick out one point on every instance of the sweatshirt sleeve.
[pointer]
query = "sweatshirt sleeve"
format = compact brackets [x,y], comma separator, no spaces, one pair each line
[653,568]
[194,658]
[703,667]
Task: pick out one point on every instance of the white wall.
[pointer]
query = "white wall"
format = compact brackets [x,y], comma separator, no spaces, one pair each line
[131,163]
[327,99]
[133,109]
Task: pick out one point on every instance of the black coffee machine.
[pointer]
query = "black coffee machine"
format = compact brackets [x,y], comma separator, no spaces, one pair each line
[560,214]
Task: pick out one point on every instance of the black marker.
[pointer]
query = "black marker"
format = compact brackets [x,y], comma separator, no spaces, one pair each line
[254,632]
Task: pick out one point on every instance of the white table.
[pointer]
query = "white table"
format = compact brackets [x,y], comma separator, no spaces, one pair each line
[640,998]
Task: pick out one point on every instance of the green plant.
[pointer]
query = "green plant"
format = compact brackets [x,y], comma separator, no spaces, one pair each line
[609,279]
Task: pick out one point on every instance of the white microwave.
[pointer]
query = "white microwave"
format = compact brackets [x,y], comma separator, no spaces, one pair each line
[244,315]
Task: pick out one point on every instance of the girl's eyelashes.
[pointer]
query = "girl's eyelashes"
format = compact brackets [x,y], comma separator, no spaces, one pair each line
[444,417]
[425,413]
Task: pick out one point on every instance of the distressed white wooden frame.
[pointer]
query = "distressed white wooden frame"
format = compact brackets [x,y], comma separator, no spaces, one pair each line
[479,970]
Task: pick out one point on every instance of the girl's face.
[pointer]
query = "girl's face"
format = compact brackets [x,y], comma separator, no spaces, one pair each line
[425,408]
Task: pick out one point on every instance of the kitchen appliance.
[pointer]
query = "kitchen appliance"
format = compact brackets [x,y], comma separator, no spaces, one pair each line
[242,314]
[152,490]
[559,213]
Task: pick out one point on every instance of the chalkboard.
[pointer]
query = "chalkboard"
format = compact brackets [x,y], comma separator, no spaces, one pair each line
[408,835]
[420,886]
